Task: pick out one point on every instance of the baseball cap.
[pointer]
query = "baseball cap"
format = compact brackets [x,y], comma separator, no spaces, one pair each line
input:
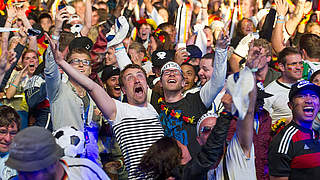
[303,85]
[109,71]
[161,57]
[33,149]
[194,51]
[81,42]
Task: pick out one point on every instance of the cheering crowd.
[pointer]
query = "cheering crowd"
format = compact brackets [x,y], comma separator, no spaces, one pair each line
[159,89]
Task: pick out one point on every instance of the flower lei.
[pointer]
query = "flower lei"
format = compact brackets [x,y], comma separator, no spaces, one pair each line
[278,126]
[169,111]
[145,59]
[160,36]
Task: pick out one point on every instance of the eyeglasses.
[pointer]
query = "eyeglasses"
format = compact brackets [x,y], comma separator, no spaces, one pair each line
[5,132]
[168,72]
[205,129]
[84,61]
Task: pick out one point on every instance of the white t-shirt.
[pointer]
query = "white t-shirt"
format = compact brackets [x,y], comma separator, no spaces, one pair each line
[239,166]
[136,129]
[277,105]
[5,171]
[82,169]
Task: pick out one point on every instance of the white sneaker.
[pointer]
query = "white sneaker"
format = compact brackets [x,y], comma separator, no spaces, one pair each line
[121,31]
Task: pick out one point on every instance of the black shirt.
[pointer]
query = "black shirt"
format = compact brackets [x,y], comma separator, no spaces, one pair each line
[191,107]
[295,153]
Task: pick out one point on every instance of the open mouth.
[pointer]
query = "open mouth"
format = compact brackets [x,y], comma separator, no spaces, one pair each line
[117,88]
[308,110]
[31,65]
[138,90]
[171,81]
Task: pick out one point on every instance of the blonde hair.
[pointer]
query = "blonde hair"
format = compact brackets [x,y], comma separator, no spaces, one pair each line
[138,47]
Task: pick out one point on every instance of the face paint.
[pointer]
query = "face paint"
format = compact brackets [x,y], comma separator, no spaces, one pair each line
[293,66]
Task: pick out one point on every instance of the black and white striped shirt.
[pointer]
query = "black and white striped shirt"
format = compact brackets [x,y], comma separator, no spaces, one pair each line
[136,129]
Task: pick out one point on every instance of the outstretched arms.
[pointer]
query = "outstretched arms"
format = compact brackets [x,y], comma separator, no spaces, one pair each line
[105,103]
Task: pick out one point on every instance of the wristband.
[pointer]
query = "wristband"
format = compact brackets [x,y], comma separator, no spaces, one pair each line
[55,37]
[280,17]
[254,70]
[278,21]
[13,85]
[117,49]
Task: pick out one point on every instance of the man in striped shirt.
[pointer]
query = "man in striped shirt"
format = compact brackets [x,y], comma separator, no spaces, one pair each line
[135,123]
[295,152]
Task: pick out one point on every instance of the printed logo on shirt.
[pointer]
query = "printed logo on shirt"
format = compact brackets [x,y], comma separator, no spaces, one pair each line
[173,127]
[306,147]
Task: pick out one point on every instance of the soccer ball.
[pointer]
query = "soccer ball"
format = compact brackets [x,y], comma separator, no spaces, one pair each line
[71,140]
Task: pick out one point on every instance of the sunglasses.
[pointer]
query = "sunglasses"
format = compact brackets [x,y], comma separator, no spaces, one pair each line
[84,61]
[205,129]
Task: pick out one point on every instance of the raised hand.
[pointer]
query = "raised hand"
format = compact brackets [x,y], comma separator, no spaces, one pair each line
[281,7]
[61,16]
[58,56]
[256,55]
[181,55]
[223,40]
[227,102]
[12,12]
[12,59]
[307,7]
[132,4]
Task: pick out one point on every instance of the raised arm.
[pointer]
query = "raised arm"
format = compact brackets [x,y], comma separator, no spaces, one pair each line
[245,127]
[210,90]
[12,13]
[277,38]
[303,7]
[32,39]
[105,103]
[212,151]
[149,6]
[52,74]
[4,64]
[87,19]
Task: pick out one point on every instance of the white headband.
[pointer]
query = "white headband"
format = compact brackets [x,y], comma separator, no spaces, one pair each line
[171,65]
[203,117]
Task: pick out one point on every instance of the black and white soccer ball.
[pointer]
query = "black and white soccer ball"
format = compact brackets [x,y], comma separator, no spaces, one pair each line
[71,140]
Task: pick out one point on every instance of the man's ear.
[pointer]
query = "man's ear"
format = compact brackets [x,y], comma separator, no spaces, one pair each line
[196,79]
[198,139]
[183,82]
[304,54]
[281,67]
[123,90]
[290,105]
[269,58]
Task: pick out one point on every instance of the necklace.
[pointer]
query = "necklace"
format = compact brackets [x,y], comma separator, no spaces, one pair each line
[170,111]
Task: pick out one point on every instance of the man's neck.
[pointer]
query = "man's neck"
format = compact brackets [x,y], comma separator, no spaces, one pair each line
[172,96]
[305,124]
[262,73]
[80,91]
[284,79]
[60,172]
[312,59]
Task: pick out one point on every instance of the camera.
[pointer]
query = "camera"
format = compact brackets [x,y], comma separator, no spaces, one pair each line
[34,32]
